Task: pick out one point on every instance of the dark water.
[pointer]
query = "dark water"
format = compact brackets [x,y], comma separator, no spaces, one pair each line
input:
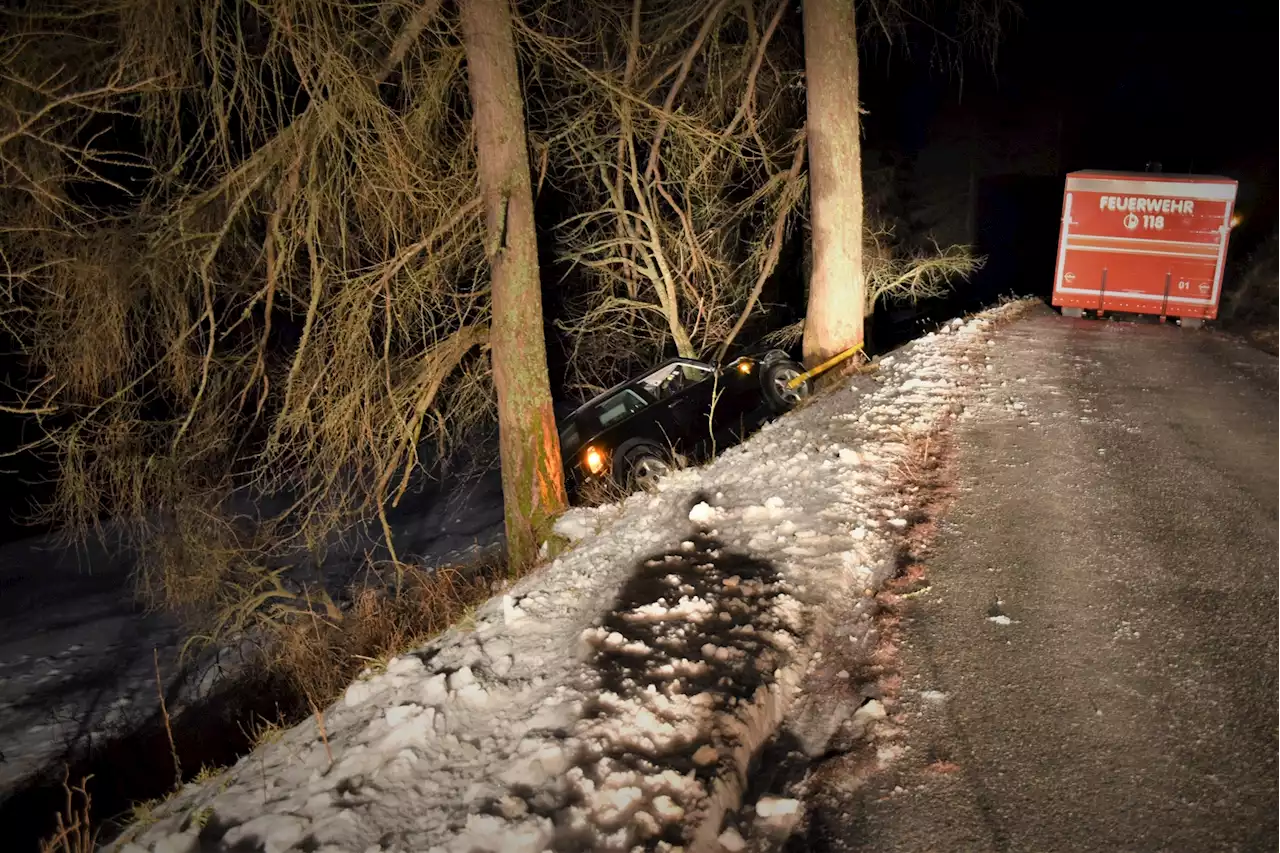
[139,765]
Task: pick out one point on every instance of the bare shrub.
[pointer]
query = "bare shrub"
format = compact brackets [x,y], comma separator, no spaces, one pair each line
[1252,294]
[72,833]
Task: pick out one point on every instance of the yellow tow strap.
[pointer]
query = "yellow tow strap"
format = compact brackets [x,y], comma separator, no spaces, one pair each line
[825,366]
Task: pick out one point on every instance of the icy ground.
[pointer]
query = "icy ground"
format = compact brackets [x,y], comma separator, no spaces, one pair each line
[78,661]
[613,699]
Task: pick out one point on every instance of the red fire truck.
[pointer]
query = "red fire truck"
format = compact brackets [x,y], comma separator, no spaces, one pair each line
[1146,243]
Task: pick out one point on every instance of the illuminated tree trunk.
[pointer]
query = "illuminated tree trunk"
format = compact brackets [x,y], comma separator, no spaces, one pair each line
[837,300]
[532,477]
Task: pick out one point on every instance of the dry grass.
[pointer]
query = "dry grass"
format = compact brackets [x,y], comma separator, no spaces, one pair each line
[1252,296]
[898,274]
[317,653]
[600,491]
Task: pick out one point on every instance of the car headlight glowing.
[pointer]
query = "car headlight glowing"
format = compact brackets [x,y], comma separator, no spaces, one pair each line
[744,367]
[594,460]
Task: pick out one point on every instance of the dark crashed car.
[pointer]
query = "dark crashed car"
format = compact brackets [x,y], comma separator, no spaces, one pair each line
[679,410]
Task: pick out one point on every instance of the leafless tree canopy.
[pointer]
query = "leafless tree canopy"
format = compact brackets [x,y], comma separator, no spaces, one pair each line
[284,295]
[677,131]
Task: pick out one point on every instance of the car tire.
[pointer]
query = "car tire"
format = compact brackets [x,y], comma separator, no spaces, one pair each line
[774,379]
[642,467]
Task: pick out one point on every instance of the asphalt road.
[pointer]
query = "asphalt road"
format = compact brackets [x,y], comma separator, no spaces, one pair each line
[1117,502]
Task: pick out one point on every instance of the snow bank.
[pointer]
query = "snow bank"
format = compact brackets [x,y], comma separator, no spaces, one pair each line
[615,698]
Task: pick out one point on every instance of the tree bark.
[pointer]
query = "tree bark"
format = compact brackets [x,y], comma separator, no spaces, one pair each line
[532,477]
[837,300]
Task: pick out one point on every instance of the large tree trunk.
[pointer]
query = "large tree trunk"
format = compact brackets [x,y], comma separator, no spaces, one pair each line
[532,476]
[837,299]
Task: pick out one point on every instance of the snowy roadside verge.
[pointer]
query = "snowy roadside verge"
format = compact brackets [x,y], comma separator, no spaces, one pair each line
[615,698]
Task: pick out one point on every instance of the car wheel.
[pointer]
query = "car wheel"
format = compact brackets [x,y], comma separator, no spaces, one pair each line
[643,467]
[777,378]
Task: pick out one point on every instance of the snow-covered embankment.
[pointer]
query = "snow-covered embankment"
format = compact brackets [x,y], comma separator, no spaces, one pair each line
[614,698]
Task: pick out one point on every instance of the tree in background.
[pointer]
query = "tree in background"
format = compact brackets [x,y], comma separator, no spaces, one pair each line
[675,131]
[532,477]
[843,287]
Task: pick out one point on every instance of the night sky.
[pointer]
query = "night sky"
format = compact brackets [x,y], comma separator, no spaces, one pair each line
[1121,83]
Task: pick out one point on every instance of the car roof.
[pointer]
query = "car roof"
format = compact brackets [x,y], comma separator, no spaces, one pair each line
[631,381]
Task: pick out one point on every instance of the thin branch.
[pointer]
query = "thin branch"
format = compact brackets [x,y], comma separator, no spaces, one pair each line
[784,211]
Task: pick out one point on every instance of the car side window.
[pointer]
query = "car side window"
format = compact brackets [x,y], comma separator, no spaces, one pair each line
[621,405]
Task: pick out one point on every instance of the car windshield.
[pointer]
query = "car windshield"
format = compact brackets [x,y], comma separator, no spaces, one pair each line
[621,405]
[672,378]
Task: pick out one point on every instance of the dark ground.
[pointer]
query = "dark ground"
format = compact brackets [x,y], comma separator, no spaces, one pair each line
[1125,521]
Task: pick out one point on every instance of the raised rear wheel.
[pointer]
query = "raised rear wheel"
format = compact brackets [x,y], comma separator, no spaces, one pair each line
[778,379]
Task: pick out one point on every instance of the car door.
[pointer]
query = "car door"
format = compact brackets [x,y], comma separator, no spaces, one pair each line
[739,403]
[689,407]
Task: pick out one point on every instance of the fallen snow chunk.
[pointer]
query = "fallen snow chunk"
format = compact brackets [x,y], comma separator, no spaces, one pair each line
[473,696]
[692,609]
[870,712]
[666,809]
[461,678]
[360,691]
[774,502]
[405,665]
[1000,620]
[933,696]
[850,457]
[501,666]
[511,612]
[434,690]
[491,834]
[898,522]
[269,833]
[547,761]
[770,807]
[397,714]
[702,513]
[705,755]
[730,840]
[574,526]
[687,546]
